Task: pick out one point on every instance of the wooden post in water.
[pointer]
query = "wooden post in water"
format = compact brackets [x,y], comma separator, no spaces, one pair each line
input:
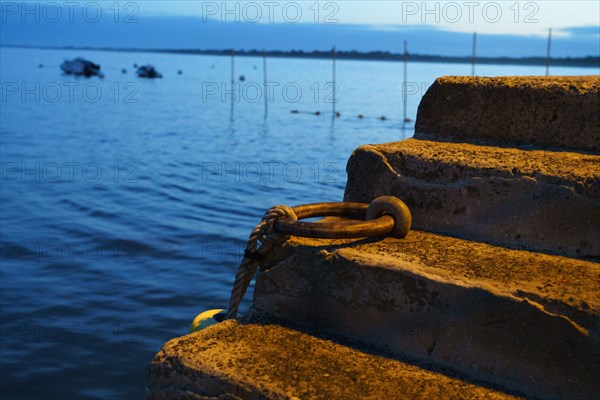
[474,57]
[265,89]
[333,55]
[232,83]
[404,83]
[548,52]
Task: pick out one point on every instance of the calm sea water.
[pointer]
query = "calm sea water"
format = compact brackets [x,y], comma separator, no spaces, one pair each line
[126,203]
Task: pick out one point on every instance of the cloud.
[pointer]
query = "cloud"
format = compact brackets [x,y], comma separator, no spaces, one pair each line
[584,31]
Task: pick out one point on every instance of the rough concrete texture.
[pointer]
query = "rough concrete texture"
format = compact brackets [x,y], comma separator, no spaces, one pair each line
[526,321]
[556,112]
[233,361]
[537,200]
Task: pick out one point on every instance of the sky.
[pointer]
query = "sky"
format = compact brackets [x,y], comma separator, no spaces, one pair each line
[504,28]
[488,17]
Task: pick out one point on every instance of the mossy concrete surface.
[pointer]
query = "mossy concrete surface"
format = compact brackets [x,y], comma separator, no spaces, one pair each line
[523,320]
[550,112]
[255,361]
[533,199]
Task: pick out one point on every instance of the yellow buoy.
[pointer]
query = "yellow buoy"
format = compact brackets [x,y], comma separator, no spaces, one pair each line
[206,319]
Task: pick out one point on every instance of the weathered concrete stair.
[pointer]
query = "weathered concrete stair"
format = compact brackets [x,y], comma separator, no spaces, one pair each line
[233,361]
[522,320]
[560,112]
[499,282]
[533,199]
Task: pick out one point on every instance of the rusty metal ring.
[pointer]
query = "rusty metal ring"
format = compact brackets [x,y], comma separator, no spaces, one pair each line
[385,215]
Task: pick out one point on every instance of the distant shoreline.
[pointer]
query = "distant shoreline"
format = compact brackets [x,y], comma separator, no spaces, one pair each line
[585,62]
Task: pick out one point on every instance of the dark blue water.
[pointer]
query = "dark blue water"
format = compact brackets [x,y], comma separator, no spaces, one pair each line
[125,203]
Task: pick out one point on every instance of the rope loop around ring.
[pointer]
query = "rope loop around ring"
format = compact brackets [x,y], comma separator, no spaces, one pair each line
[268,235]
[264,233]
[384,216]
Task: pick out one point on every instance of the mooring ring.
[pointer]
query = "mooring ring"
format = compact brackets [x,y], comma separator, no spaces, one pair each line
[385,215]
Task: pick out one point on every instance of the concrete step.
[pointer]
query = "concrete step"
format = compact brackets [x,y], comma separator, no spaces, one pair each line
[538,200]
[550,112]
[234,361]
[526,321]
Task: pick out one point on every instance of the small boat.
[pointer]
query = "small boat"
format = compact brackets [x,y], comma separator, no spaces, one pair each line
[81,67]
[148,71]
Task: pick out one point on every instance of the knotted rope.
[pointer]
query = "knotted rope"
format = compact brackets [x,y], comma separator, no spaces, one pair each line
[384,215]
[254,255]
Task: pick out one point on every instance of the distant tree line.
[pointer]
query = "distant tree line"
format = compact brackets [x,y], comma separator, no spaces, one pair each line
[589,61]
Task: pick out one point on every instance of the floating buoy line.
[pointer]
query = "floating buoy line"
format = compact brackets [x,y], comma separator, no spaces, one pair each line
[338,115]
[386,215]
